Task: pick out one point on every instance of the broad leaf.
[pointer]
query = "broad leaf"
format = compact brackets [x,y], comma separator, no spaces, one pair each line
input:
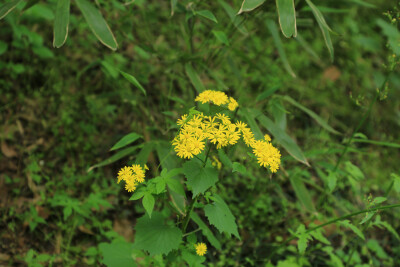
[133,81]
[287,17]
[249,5]
[278,42]
[97,24]
[117,254]
[199,178]
[285,140]
[61,21]
[353,170]
[219,215]
[8,7]
[206,231]
[126,140]
[154,236]
[148,202]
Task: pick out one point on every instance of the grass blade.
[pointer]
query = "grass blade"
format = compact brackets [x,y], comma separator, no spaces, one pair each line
[194,78]
[133,81]
[97,24]
[61,22]
[287,17]
[8,7]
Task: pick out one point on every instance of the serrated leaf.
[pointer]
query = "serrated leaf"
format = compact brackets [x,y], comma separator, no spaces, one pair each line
[192,259]
[199,178]
[154,236]
[390,229]
[237,167]
[249,5]
[348,224]
[287,17]
[148,202]
[285,140]
[194,78]
[61,21]
[126,140]
[312,114]
[278,42]
[303,238]
[323,26]
[207,14]
[8,7]
[97,24]
[206,231]
[117,254]
[221,36]
[133,81]
[219,215]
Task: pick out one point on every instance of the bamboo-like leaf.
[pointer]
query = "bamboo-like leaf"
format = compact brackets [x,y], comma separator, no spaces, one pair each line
[301,192]
[122,153]
[194,78]
[97,24]
[133,81]
[8,7]
[61,22]
[249,5]
[323,26]
[287,17]
[277,40]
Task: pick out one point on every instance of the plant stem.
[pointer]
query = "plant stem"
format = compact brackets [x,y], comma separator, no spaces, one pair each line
[292,237]
[188,212]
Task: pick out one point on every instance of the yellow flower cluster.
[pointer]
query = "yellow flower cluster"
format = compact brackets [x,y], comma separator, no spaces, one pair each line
[201,249]
[220,131]
[132,176]
[217,98]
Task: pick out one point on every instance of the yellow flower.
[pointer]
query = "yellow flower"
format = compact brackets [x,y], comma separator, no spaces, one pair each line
[233,104]
[216,97]
[267,138]
[182,120]
[131,175]
[201,249]
[124,174]
[130,186]
[267,155]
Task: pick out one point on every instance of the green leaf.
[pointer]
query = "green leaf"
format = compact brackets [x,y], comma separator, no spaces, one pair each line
[373,245]
[144,153]
[312,114]
[206,231]
[126,140]
[237,167]
[123,153]
[285,140]
[133,81]
[219,215]
[207,14]
[117,254]
[287,17]
[148,202]
[368,216]
[332,180]
[348,224]
[378,143]
[137,194]
[61,22]
[249,5]
[392,33]
[278,42]
[396,182]
[30,4]
[154,236]
[176,186]
[250,116]
[379,200]
[194,78]
[388,227]
[323,26]
[192,259]
[221,36]
[236,20]
[353,170]
[303,238]
[199,178]
[3,47]
[8,7]
[301,192]
[97,24]
[173,6]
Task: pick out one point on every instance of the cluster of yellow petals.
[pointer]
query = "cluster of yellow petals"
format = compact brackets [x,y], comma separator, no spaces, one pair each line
[201,249]
[219,130]
[217,98]
[132,176]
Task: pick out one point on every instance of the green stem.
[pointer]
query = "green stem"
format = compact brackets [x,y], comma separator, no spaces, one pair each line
[292,237]
[188,213]
[198,229]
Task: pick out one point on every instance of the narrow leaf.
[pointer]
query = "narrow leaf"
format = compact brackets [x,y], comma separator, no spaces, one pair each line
[301,192]
[323,26]
[61,22]
[133,81]
[221,36]
[126,140]
[278,42]
[207,14]
[194,78]
[249,5]
[123,153]
[285,140]
[348,224]
[8,7]
[97,23]
[30,4]
[312,114]
[287,17]
[206,231]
